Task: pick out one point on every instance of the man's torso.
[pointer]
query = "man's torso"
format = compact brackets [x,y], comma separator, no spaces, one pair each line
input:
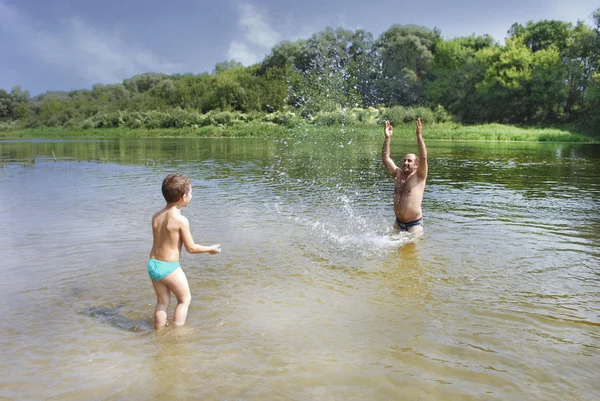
[408,196]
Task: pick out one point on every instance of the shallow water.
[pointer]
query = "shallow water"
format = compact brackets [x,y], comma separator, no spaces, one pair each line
[313,296]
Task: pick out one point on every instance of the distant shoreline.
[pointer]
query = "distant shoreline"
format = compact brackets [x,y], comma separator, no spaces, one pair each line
[439,131]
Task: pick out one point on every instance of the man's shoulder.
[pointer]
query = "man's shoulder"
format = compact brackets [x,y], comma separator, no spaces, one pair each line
[415,177]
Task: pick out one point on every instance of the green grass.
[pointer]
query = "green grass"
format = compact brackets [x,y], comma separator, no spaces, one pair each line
[442,131]
[455,132]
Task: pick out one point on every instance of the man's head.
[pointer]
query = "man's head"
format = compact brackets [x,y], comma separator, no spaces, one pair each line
[410,163]
[175,186]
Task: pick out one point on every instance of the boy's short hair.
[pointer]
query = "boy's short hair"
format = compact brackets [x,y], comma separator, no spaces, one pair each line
[174,186]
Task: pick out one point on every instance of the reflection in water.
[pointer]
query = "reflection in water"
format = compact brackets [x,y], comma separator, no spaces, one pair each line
[314,295]
[113,316]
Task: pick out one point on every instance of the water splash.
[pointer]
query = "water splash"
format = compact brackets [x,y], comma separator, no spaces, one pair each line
[340,229]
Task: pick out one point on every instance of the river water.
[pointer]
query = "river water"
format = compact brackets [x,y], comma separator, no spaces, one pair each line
[313,297]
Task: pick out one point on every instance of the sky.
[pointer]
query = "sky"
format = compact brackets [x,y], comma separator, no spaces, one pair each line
[74,44]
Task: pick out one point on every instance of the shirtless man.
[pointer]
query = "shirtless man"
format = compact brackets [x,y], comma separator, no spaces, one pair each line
[410,182]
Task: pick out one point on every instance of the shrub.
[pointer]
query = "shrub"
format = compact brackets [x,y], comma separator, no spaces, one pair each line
[6,125]
[285,118]
[403,115]
[366,116]
[336,117]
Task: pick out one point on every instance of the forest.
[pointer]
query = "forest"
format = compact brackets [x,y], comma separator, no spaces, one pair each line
[546,74]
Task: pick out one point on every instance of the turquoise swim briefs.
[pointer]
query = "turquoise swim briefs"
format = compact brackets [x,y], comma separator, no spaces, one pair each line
[158,269]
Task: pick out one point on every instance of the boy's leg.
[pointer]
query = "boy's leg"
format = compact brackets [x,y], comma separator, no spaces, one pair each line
[178,283]
[163,298]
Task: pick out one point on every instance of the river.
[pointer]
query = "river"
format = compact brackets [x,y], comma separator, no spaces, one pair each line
[313,297]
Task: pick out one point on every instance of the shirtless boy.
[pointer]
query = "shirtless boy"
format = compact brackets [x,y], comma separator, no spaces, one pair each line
[409,182]
[170,230]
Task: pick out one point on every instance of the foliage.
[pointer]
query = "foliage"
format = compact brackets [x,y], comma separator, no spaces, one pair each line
[455,74]
[546,73]
[407,53]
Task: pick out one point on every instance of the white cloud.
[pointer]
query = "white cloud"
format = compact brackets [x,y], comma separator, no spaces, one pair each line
[258,31]
[95,55]
[259,36]
[573,11]
[240,52]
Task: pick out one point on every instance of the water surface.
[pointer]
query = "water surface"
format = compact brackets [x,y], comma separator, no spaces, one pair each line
[313,296]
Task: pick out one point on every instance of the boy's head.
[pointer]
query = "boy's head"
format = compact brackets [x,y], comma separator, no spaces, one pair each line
[175,186]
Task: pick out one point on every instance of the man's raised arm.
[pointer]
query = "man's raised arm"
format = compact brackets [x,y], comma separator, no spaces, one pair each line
[422,168]
[385,151]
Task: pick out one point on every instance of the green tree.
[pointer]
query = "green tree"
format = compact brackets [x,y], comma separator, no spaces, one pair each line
[505,88]
[14,105]
[542,34]
[580,59]
[195,91]
[591,101]
[322,76]
[455,74]
[143,82]
[363,70]
[227,65]
[407,53]
[165,93]
[283,55]
[548,90]
[522,86]
[6,106]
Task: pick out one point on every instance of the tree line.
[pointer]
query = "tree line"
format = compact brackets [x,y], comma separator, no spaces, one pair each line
[546,73]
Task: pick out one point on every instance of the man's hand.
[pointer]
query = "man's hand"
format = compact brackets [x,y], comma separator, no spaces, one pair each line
[419,127]
[388,129]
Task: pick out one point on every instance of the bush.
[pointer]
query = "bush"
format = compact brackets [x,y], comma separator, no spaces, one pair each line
[285,118]
[177,118]
[441,115]
[336,117]
[224,117]
[366,116]
[403,115]
[7,125]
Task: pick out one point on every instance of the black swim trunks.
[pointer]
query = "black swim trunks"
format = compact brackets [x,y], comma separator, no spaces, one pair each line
[406,226]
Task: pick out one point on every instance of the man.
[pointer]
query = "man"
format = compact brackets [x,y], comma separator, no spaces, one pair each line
[410,182]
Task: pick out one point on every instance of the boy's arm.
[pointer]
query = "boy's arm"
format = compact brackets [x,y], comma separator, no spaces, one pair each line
[422,168]
[385,151]
[188,240]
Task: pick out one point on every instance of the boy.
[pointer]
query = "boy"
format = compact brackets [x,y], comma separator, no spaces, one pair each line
[170,230]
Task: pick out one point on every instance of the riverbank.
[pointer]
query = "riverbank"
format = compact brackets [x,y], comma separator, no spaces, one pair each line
[436,131]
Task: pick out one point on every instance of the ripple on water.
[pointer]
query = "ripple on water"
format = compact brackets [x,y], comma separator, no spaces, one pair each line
[313,296]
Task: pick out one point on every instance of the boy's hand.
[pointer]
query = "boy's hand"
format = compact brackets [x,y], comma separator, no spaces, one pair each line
[388,129]
[215,249]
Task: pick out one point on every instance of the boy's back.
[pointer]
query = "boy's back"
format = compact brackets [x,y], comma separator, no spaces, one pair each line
[166,228]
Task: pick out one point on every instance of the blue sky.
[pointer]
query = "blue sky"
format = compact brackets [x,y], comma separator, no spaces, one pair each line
[73,44]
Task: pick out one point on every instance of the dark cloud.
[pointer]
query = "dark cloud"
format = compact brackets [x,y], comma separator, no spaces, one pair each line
[69,44]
